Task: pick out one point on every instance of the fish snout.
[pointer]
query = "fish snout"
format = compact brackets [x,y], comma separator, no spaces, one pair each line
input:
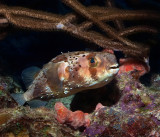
[114,68]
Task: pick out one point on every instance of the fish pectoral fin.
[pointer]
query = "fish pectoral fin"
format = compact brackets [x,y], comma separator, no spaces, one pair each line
[29,74]
[19,98]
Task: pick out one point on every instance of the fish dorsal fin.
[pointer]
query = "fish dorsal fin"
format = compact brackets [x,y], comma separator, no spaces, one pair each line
[29,74]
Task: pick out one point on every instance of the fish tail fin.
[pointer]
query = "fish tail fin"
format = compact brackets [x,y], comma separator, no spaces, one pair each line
[19,98]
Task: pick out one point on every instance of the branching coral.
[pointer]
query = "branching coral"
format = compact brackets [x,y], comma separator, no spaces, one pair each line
[3,20]
[114,39]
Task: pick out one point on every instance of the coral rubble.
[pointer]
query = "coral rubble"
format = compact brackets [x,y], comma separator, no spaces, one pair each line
[7,85]
[32,122]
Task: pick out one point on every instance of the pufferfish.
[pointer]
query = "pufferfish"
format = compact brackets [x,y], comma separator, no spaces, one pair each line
[70,73]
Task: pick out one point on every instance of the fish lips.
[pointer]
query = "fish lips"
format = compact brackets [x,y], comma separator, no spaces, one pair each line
[114,69]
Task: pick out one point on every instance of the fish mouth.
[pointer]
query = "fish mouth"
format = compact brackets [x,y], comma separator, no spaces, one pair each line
[114,68]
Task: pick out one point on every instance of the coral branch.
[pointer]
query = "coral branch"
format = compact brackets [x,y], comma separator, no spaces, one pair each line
[106,28]
[109,14]
[94,15]
[3,21]
[118,23]
[19,11]
[30,23]
[137,29]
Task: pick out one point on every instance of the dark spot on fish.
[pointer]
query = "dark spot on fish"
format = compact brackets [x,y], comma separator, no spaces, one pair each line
[74,76]
[76,58]
[79,65]
[83,55]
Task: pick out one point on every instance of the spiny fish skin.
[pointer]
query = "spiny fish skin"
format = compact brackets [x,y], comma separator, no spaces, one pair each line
[72,72]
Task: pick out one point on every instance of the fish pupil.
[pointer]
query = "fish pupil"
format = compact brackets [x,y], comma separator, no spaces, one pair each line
[92,60]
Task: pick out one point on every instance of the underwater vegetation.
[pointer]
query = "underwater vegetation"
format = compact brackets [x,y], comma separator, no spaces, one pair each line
[95,93]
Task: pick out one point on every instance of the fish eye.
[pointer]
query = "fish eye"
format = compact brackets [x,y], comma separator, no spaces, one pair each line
[93,62]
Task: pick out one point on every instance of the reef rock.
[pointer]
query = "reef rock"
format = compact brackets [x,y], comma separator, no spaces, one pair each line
[135,113]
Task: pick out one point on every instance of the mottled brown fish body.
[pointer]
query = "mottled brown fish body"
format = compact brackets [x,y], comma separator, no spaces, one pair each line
[73,72]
